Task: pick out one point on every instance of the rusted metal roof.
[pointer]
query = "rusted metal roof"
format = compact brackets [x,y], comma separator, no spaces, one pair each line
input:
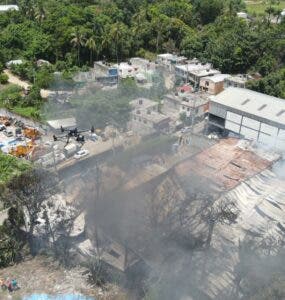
[225,164]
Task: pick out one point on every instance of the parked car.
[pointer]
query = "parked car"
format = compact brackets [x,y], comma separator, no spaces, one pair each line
[2,127]
[81,154]
[93,137]
[8,133]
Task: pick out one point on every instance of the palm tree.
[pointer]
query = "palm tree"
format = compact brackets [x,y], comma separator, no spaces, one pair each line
[116,34]
[27,7]
[77,41]
[40,12]
[91,44]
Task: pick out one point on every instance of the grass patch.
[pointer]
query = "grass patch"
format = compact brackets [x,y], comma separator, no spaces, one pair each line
[258,6]
[11,166]
[28,112]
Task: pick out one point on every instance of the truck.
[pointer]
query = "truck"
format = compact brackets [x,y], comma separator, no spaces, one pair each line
[70,149]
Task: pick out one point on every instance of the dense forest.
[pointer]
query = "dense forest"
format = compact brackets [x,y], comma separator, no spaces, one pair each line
[74,33]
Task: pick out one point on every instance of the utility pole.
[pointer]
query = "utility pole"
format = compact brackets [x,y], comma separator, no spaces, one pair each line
[98,177]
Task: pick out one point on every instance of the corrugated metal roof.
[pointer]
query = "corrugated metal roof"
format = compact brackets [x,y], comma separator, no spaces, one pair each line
[254,103]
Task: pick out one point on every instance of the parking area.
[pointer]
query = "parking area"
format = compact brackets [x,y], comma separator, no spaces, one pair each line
[49,149]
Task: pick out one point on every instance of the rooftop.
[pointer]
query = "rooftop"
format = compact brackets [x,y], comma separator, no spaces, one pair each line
[194,67]
[248,101]
[205,72]
[65,123]
[189,99]
[143,103]
[217,78]
[226,164]
[240,78]
[152,116]
[173,57]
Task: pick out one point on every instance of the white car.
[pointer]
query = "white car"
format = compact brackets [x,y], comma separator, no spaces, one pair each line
[81,154]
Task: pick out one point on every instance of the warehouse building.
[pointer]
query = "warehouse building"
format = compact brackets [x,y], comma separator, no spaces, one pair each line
[252,115]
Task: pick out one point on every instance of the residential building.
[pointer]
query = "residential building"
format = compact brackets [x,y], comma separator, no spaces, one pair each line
[194,105]
[213,85]
[168,59]
[239,80]
[193,72]
[252,115]
[145,118]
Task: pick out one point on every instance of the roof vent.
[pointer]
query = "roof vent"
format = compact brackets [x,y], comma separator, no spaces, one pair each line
[262,107]
[281,112]
[245,102]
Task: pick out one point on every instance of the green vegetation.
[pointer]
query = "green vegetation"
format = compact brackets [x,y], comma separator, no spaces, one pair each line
[13,98]
[11,166]
[69,33]
[3,78]
[259,7]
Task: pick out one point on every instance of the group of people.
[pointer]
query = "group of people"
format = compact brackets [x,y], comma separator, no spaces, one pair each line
[9,284]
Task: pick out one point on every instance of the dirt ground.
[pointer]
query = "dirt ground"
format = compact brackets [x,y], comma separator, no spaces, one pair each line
[43,275]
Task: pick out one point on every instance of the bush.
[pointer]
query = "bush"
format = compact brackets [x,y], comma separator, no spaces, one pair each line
[4,78]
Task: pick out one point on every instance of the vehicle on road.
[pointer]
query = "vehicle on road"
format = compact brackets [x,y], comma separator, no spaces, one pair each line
[81,153]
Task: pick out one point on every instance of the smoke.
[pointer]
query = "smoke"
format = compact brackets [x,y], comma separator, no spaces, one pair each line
[133,198]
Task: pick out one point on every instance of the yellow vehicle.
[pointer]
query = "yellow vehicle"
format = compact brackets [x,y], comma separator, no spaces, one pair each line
[22,150]
[31,133]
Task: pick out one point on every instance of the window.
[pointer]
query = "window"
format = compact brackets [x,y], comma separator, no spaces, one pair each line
[183,107]
[188,109]
[135,118]
[207,83]
[144,121]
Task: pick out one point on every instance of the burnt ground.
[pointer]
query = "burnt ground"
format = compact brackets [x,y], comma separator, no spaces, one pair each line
[44,275]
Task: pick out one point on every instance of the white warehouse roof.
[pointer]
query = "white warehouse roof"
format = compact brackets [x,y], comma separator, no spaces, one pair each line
[254,103]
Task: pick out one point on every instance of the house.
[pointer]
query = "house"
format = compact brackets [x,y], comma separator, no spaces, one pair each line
[145,118]
[193,72]
[193,105]
[239,80]
[213,85]
[251,115]
[105,73]
[5,8]
[168,60]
